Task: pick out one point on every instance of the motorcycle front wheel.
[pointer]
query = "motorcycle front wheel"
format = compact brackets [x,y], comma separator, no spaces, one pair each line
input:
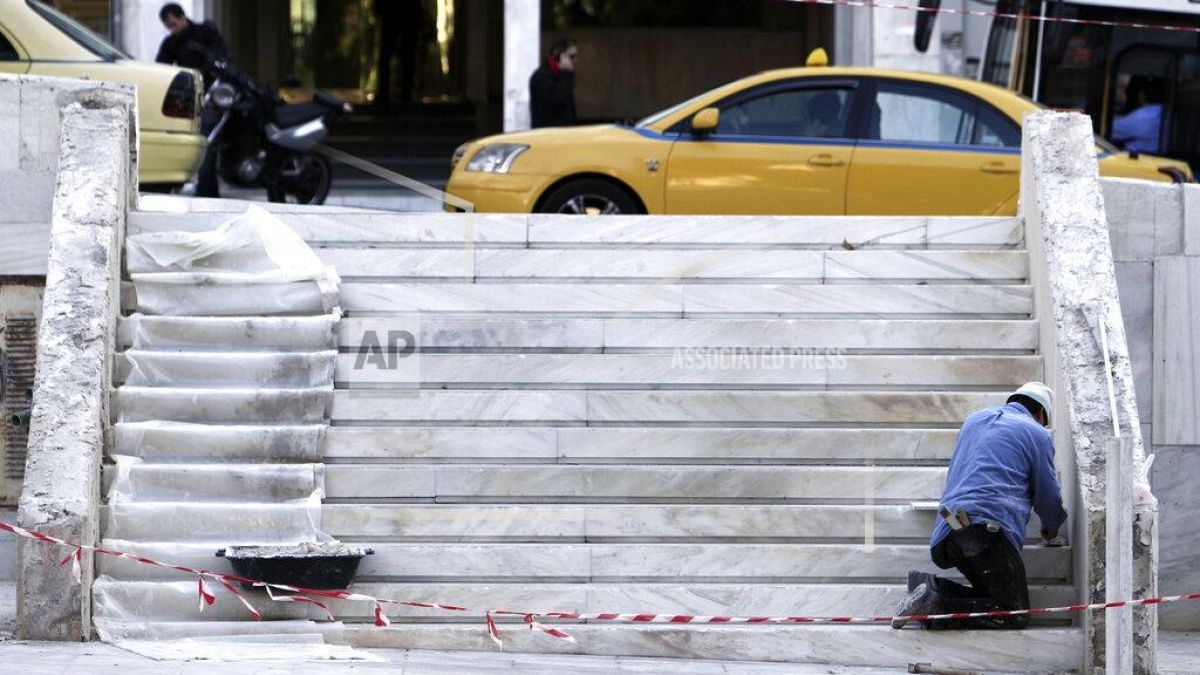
[304,179]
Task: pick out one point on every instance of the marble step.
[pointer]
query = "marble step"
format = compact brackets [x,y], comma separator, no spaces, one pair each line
[177,600]
[161,441]
[657,407]
[212,523]
[943,300]
[222,483]
[221,334]
[651,523]
[451,334]
[519,230]
[180,294]
[248,406]
[606,563]
[699,367]
[866,646]
[216,370]
[689,265]
[466,482]
[647,444]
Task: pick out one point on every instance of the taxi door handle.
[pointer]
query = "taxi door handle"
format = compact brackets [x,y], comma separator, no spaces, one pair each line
[825,160]
[999,167]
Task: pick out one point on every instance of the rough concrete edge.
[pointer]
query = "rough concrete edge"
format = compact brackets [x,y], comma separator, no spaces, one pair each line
[69,426]
[1072,264]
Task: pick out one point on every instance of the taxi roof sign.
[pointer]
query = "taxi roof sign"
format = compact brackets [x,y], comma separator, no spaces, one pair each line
[817,58]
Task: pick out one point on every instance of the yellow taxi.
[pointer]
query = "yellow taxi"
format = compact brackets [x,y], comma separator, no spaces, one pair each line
[36,39]
[815,141]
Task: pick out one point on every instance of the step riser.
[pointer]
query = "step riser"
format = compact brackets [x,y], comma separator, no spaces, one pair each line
[567,264]
[532,231]
[245,406]
[659,299]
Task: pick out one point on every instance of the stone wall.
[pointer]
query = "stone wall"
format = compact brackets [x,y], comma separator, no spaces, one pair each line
[96,174]
[1155,231]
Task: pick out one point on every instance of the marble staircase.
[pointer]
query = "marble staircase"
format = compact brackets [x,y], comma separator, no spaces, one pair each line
[715,416]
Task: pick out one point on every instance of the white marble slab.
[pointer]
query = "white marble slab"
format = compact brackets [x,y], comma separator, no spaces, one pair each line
[647,333]
[786,407]
[527,522]
[496,298]
[374,227]
[26,246]
[475,407]
[538,483]
[1176,363]
[214,524]
[221,483]
[1039,650]
[828,333]
[143,368]
[222,334]
[872,299]
[407,443]
[869,264]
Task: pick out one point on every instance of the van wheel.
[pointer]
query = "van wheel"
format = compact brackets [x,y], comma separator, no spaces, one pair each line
[589,197]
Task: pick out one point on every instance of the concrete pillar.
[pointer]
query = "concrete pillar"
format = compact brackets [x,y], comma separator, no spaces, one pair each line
[1118,567]
[61,494]
[141,30]
[522,55]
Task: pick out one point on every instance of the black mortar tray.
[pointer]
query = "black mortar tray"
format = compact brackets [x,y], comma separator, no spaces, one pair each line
[323,566]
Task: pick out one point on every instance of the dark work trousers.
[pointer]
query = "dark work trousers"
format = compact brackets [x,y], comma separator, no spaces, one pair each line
[206,177]
[996,573]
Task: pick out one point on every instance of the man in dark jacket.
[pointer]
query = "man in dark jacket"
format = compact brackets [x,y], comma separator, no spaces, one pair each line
[552,87]
[199,46]
[190,44]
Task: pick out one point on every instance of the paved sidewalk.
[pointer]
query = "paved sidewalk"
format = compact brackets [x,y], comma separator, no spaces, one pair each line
[43,658]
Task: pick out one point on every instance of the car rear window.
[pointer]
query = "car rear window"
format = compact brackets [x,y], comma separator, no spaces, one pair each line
[77,32]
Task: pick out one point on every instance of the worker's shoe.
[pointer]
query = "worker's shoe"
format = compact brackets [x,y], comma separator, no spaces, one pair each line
[920,600]
[917,578]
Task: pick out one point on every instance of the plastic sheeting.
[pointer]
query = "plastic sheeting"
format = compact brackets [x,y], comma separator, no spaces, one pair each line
[225,398]
[137,481]
[182,441]
[210,369]
[224,406]
[238,334]
[253,264]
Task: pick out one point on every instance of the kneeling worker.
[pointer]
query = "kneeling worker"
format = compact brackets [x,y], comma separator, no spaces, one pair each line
[1002,468]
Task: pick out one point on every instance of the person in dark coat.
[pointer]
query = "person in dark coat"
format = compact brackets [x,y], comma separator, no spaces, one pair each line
[552,86]
[191,44]
[199,46]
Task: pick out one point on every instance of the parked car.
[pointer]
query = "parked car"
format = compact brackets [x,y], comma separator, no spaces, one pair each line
[813,141]
[36,39]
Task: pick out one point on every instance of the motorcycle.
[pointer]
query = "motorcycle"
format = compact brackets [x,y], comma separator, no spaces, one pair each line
[263,141]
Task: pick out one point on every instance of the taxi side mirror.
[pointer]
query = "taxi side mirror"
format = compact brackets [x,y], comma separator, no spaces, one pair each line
[705,121]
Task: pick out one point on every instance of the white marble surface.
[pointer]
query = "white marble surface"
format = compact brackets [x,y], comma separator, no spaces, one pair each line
[325,227]
[645,333]
[1038,650]
[143,368]
[566,263]
[699,368]
[583,445]
[873,299]
[648,482]
[215,523]
[218,333]
[735,407]
[1176,363]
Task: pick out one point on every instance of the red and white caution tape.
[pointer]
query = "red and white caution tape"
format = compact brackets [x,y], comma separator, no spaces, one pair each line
[531,619]
[1003,15]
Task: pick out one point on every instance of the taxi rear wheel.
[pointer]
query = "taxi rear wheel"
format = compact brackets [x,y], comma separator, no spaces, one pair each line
[589,197]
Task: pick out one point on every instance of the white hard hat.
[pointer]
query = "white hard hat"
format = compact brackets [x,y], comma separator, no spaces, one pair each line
[1039,392]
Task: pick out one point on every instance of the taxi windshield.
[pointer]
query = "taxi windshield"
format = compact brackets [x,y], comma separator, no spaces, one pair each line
[663,114]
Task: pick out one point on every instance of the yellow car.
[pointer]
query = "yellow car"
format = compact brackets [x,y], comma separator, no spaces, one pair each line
[814,140]
[36,39]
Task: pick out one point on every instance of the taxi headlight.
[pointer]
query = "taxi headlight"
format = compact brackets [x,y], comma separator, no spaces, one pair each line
[496,158]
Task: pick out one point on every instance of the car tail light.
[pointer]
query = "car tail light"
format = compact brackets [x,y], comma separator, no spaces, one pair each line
[180,100]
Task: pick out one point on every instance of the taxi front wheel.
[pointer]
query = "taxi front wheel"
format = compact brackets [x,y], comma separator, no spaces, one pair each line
[589,197]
